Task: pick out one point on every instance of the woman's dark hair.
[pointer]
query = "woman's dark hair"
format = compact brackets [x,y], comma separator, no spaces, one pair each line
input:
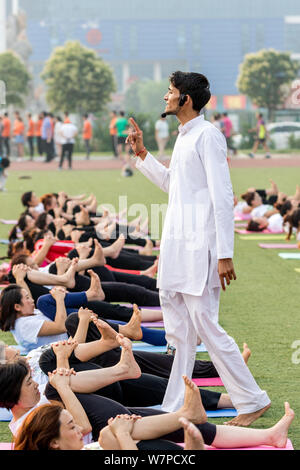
[26,198]
[12,375]
[10,296]
[248,197]
[293,220]
[193,84]
[15,247]
[254,227]
[40,428]
[284,208]
[41,221]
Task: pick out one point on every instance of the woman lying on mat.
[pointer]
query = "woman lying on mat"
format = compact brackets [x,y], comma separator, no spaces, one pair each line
[275,222]
[70,427]
[32,327]
[97,389]
[123,287]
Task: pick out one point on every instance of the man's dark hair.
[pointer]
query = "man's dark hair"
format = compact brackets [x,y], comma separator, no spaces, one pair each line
[254,227]
[122,113]
[12,375]
[193,84]
[26,198]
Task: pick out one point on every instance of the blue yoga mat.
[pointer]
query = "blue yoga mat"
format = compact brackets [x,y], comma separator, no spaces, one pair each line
[289,255]
[221,413]
[159,349]
[5,415]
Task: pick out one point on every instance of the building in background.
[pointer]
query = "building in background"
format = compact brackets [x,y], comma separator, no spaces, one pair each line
[149,40]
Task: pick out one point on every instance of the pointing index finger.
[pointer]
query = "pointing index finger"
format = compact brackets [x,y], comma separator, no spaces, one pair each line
[132,121]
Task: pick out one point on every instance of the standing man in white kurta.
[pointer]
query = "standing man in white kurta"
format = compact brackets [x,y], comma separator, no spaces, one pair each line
[197,247]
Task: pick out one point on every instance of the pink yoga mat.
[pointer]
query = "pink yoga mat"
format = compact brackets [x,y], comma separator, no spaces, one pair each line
[289,446]
[278,246]
[246,232]
[209,382]
[239,217]
[6,446]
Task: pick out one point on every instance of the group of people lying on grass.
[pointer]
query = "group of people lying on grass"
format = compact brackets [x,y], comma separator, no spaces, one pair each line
[79,381]
[270,210]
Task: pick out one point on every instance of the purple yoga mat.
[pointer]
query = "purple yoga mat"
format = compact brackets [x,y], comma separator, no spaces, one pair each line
[149,308]
[153,324]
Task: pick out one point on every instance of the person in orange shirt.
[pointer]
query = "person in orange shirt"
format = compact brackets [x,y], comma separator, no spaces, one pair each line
[113,132]
[19,131]
[87,135]
[6,131]
[38,134]
[67,119]
[30,135]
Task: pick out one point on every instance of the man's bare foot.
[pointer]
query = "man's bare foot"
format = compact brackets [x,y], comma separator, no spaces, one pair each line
[192,436]
[247,419]
[108,334]
[246,352]
[192,408]
[95,291]
[98,256]
[127,364]
[148,248]
[115,249]
[69,276]
[133,329]
[279,432]
[152,271]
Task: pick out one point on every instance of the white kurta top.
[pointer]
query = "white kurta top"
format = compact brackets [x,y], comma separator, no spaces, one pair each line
[199,223]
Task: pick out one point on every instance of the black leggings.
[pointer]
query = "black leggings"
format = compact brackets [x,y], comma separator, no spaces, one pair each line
[147,390]
[149,363]
[100,409]
[116,291]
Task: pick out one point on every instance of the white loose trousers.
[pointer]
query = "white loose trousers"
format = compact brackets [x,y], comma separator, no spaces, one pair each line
[187,317]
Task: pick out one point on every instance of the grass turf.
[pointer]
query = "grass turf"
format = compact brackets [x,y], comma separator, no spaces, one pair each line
[260,308]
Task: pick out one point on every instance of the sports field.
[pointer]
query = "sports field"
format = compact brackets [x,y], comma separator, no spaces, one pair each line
[261,307]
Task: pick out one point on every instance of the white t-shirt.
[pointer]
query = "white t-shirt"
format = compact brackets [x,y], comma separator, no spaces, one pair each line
[275,223]
[240,207]
[162,127]
[27,329]
[58,138]
[261,210]
[39,208]
[68,133]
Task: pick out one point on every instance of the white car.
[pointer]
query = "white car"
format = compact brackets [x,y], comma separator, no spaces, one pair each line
[280,133]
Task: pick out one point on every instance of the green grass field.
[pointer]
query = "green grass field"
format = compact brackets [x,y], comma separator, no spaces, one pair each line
[260,308]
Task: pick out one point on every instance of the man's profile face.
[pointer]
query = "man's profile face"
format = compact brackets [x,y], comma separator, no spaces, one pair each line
[172,100]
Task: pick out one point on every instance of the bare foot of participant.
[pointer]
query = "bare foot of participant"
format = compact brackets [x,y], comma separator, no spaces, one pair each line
[108,334]
[133,329]
[95,291]
[246,352]
[152,271]
[98,256]
[192,408]
[279,432]
[192,436]
[127,365]
[148,248]
[247,419]
[115,249]
[69,276]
